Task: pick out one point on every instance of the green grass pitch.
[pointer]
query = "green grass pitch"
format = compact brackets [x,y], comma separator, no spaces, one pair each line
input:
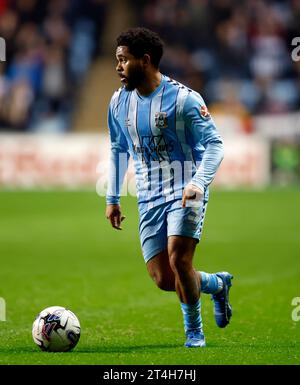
[57,248]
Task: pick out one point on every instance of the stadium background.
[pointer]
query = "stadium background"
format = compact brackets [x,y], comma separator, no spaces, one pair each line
[56,247]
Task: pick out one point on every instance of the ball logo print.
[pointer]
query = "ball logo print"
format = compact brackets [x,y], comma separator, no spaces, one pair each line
[55,316]
[56,329]
[47,330]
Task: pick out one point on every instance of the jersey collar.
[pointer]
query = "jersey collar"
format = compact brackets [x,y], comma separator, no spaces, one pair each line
[155,92]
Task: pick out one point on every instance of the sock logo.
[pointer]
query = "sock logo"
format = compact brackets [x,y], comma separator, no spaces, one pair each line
[296,311]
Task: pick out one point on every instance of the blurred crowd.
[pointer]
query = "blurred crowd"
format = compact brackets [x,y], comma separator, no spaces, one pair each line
[237,53]
[49,47]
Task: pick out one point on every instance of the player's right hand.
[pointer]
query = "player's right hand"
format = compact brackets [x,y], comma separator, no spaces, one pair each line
[113,213]
[191,193]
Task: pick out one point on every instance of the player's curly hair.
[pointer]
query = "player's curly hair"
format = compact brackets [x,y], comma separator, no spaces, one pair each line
[141,41]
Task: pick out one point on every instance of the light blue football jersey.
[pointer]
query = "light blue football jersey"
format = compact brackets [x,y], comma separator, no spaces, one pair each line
[171,137]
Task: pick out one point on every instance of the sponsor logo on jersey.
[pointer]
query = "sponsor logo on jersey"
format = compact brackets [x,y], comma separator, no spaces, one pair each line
[154,148]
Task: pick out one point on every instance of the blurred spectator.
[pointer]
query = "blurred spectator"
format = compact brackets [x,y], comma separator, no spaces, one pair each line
[248,43]
[49,48]
[227,103]
[50,45]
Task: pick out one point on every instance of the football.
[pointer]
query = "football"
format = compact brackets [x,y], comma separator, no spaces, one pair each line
[56,329]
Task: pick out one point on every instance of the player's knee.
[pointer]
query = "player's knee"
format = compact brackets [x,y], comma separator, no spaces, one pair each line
[180,263]
[162,282]
[165,285]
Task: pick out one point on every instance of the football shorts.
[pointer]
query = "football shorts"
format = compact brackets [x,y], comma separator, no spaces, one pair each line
[170,218]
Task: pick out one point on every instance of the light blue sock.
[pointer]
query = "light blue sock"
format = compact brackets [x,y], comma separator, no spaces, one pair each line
[192,316]
[210,283]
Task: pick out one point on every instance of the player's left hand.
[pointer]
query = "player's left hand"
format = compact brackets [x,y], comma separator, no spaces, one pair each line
[191,192]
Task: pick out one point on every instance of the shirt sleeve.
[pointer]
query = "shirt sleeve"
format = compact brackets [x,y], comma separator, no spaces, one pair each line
[204,135]
[119,156]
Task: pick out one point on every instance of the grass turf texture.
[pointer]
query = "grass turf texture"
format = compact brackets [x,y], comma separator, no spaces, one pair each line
[56,248]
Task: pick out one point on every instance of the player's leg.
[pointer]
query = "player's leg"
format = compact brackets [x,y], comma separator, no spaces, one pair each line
[153,236]
[187,283]
[184,230]
[218,284]
[160,271]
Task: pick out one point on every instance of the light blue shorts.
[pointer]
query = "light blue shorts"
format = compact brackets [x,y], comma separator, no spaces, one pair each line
[170,218]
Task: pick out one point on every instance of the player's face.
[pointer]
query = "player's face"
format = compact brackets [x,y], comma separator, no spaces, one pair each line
[129,68]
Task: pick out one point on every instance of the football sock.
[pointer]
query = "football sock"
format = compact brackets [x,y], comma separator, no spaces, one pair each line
[192,316]
[210,283]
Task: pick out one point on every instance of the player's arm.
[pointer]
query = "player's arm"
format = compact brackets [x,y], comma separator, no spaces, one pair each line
[117,169]
[203,134]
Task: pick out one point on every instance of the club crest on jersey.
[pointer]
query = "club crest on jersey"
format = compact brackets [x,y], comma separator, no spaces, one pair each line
[161,120]
[204,112]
